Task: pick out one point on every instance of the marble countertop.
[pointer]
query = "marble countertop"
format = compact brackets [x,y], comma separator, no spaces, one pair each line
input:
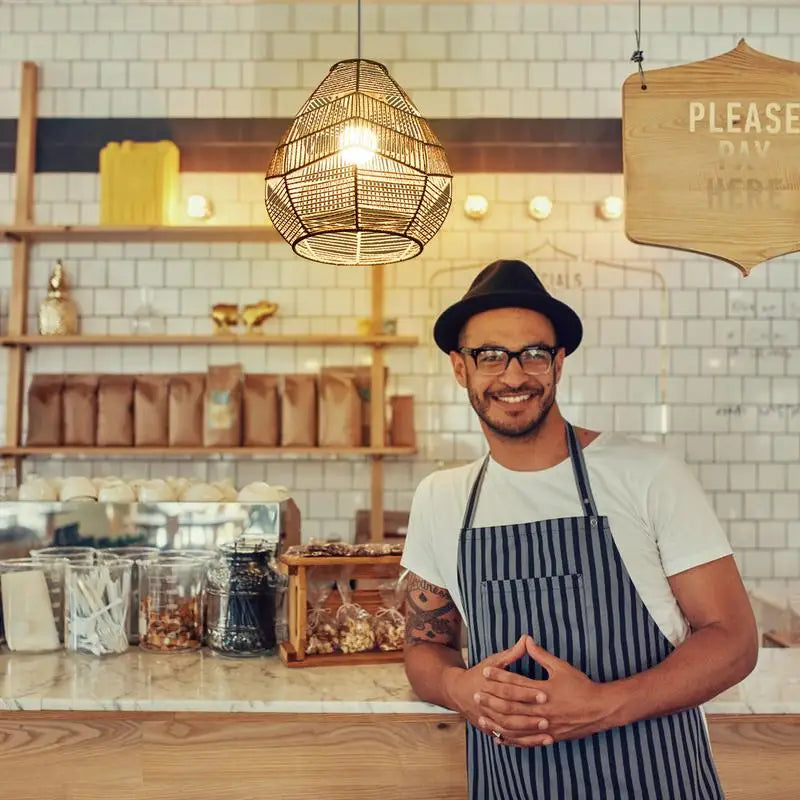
[202,682]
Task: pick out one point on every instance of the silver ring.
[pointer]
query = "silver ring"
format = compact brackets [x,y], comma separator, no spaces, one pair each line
[497,735]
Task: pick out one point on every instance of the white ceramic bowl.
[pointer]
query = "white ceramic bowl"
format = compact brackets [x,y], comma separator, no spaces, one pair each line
[260,492]
[201,493]
[156,491]
[37,489]
[78,488]
[179,485]
[135,483]
[228,490]
[116,491]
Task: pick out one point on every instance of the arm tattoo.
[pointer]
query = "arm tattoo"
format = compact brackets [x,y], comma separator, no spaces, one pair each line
[431,614]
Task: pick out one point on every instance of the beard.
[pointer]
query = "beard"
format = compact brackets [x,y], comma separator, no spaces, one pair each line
[523,424]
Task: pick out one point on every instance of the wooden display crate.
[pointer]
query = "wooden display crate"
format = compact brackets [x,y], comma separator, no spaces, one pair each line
[367,571]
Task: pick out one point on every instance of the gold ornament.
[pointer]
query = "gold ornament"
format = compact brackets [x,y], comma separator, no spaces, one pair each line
[225,317]
[254,314]
[58,314]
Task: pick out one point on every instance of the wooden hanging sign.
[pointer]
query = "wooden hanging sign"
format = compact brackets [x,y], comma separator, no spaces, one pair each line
[712,157]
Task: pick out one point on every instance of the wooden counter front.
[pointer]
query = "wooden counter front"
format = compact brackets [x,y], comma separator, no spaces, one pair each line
[77,755]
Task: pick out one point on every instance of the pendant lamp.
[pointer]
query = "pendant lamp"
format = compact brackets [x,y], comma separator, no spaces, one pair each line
[359,177]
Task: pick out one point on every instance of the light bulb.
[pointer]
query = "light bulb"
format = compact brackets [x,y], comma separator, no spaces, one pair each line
[611,207]
[540,207]
[357,145]
[476,206]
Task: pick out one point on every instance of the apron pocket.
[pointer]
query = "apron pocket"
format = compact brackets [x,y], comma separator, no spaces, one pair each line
[551,610]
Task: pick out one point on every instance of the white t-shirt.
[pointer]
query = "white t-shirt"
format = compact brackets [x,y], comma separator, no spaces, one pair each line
[660,518]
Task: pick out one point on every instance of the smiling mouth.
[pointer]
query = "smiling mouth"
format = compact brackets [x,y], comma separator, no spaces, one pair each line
[513,399]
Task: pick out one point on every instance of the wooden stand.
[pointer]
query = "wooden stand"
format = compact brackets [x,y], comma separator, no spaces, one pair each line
[23,234]
[293,652]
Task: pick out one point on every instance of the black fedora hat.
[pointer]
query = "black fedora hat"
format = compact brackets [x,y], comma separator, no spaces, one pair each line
[508,284]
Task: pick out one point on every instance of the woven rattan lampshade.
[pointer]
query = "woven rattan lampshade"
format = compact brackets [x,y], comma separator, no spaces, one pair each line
[359,177]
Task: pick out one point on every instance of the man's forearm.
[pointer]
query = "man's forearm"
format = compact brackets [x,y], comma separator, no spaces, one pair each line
[429,667]
[704,665]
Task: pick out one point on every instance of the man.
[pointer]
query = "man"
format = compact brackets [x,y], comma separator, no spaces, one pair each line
[601,598]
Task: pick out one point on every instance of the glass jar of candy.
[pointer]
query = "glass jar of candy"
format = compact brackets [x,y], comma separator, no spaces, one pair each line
[243,594]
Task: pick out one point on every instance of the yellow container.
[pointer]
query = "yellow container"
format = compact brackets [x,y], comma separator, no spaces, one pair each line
[139,183]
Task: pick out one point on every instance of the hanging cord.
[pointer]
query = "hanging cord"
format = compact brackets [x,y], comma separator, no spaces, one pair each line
[638,53]
[359,29]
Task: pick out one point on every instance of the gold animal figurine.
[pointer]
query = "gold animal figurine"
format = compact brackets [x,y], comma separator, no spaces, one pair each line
[253,315]
[225,317]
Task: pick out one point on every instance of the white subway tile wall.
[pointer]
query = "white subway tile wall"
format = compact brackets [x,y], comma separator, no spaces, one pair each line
[461,59]
[678,349]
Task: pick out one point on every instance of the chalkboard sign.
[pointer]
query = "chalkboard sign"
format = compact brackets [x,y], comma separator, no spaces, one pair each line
[712,157]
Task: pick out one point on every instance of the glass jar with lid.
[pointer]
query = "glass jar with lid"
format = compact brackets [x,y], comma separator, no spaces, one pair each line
[171,604]
[243,592]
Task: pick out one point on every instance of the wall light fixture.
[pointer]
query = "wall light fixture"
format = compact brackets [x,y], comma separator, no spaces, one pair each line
[540,207]
[611,207]
[476,206]
[199,207]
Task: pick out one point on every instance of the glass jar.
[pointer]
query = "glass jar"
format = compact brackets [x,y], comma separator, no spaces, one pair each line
[77,555]
[135,553]
[201,555]
[62,555]
[147,320]
[97,602]
[243,588]
[171,604]
[31,593]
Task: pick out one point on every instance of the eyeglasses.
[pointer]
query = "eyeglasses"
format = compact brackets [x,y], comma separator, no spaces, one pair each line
[495,360]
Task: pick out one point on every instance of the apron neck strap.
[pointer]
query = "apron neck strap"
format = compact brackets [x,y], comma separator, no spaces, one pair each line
[578,469]
[581,473]
[472,503]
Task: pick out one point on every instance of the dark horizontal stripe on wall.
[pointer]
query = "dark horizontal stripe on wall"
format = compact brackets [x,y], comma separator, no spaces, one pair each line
[246,145]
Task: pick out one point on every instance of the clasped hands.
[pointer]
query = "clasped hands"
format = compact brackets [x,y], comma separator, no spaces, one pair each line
[528,713]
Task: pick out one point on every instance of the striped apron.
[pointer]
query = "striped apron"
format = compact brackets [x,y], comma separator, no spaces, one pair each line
[563,582]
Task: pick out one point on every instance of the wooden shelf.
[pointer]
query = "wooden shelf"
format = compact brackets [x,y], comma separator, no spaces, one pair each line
[289,658]
[137,452]
[23,233]
[176,340]
[139,233]
[340,561]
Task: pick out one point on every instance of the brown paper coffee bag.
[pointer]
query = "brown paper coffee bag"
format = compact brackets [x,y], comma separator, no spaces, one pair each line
[363,379]
[151,411]
[186,400]
[115,411]
[261,411]
[80,410]
[45,413]
[223,407]
[402,432]
[339,410]
[299,411]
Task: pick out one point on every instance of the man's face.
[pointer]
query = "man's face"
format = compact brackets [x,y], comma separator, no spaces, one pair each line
[512,404]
